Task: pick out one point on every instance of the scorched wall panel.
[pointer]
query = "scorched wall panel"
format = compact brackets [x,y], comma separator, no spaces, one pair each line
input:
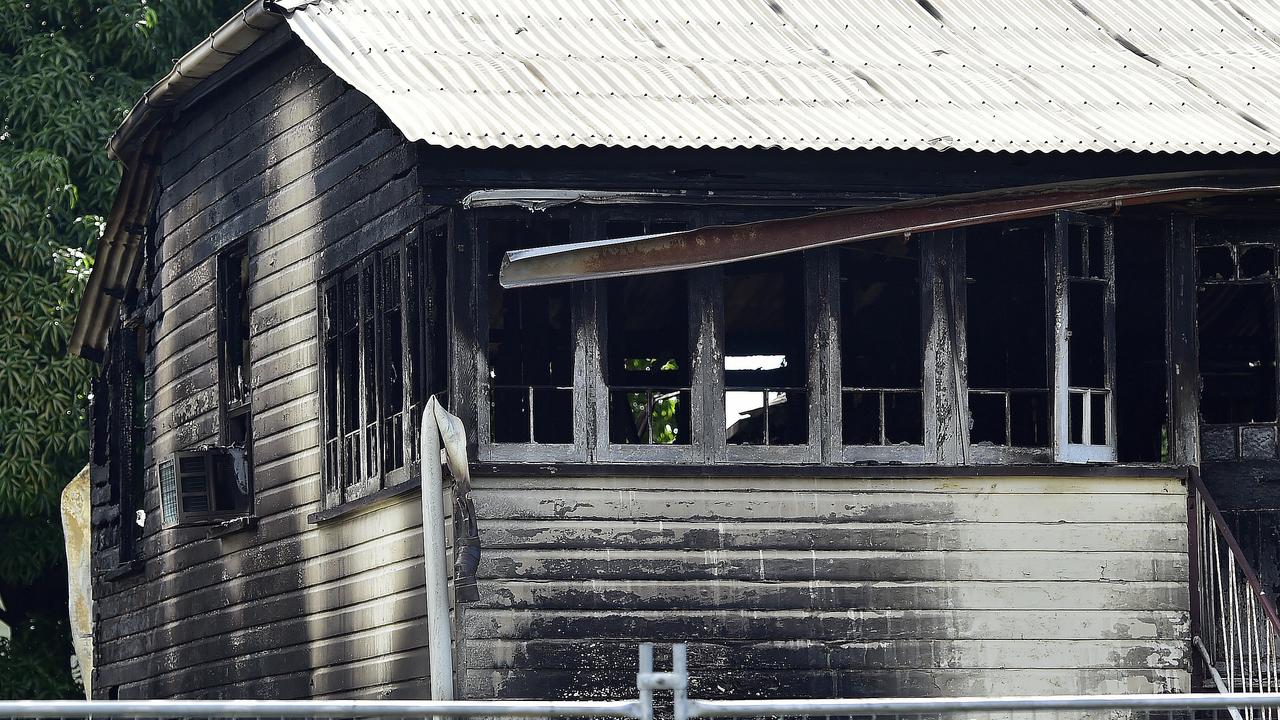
[306,171]
[832,587]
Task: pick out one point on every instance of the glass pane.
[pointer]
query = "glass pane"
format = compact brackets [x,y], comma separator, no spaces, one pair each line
[744,417]
[391,370]
[1097,252]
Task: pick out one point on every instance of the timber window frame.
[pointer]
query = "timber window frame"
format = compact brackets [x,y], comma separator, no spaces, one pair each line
[214,483]
[120,434]
[1238,371]
[615,382]
[1084,260]
[380,328]
[944,392]
[569,309]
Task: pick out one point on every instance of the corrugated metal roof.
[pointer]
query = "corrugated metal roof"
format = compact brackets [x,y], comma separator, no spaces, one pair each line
[1013,75]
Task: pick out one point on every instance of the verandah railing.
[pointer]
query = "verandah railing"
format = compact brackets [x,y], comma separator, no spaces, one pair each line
[1235,628]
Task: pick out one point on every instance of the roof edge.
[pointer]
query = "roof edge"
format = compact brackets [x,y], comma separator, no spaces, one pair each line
[215,52]
[136,144]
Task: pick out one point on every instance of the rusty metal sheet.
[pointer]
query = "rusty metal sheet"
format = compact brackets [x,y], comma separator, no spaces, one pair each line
[716,245]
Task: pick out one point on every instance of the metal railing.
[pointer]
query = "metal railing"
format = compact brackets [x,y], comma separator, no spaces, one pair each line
[1190,706]
[1235,629]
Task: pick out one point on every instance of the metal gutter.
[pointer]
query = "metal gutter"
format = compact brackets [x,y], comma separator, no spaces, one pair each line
[222,46]
[716,245]
[136,144]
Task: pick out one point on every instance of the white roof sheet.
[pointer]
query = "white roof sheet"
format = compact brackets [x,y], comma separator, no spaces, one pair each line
[1012,75]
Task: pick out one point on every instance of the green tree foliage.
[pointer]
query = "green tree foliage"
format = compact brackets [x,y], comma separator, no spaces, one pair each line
[69,71]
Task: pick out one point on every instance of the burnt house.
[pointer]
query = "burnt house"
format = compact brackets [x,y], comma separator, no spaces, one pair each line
[873,349]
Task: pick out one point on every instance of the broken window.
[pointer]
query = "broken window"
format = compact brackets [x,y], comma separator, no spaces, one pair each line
[530,344]
[1007,338]
[880,343]
[1085,326]
[426,324]
[766,352]
[120,403]
[647,360]
[234,365]
[1236,317]
[1142,370]
[372,370]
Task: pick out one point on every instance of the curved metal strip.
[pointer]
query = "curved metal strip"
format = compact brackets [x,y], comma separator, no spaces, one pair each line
[716,245]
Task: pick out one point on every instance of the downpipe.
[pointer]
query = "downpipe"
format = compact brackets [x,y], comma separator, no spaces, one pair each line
[438,424]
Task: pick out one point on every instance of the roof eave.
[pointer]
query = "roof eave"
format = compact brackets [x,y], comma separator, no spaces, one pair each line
[136,144]
[223,45]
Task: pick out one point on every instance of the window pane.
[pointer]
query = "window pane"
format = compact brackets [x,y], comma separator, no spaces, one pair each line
[647,359]
[1007,332]
[1086,350]
[530,344]
[370,368]
[765,368]
[392,367]
[880,340]
[1237,353]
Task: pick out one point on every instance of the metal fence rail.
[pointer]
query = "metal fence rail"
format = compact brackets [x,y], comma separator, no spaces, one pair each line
[318,708]
[1216,706]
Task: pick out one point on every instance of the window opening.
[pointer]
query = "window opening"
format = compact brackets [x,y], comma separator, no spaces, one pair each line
[375,338]
[881,343]
[120,432]
[530,342]
[1237,353]
[1007,337]
[426,324]
[1142,372]
[647,358]
[766,352]
[1085,327]
[391,387]
[234,365]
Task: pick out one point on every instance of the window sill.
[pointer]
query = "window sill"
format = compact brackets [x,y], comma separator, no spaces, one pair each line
[232,526]
[368,503]
[126,569]
[1131,470]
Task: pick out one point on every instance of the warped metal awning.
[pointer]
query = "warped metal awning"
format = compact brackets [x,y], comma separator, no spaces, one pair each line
[720,244]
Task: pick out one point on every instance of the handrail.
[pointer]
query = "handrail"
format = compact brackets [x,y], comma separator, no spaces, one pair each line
[1234,621]
[1202,492]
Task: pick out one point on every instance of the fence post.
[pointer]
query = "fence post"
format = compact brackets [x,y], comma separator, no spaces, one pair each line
[681,672]
[643,683]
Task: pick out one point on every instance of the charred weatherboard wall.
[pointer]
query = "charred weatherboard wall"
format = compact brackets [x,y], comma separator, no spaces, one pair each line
[307,173]
[828,587]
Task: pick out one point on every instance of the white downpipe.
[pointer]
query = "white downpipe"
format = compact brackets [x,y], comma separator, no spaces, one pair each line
[439,630]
